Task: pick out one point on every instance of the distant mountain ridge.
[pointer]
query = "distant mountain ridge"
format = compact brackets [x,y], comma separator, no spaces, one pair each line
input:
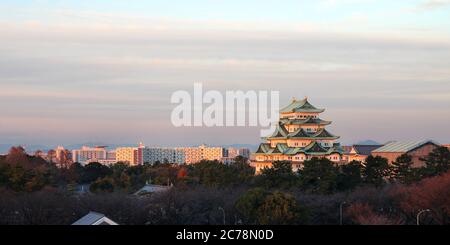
[368,142]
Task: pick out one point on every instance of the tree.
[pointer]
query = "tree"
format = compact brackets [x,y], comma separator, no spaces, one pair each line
[105,184]
[216,174]
[281,209]
[242,169]
[75,173]
[437,162]
[248,205]
[65,159]
[319,175]
[279,176]
[17,156]
[350,175]
[430,193]
[51,156]
[375,170]
[364,214]
[402,171]
[93,171]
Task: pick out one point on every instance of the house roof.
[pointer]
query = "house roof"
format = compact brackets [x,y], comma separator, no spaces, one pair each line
[94,218]
[346,148]
[365,149]
[399,146]
[300,106]
[151,189]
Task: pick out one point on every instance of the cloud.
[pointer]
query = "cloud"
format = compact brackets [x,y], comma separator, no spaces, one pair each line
[116,79]
[433,4]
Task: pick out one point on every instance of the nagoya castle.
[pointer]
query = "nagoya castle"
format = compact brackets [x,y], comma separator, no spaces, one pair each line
[300,135]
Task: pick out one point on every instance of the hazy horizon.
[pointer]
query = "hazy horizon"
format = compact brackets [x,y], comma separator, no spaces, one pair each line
[74,72]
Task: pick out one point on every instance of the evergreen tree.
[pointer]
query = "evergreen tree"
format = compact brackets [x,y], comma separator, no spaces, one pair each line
[375,171]
[280,175]
[350,175]
[319,175]
[279,208]
[402,171]
[437,162]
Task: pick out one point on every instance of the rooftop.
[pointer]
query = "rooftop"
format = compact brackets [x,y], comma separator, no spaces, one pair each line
[300,106]
[403,146]
[94,218]
[365,149]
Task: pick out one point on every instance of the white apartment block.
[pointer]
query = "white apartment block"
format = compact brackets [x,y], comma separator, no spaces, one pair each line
[158,154]
[86,154]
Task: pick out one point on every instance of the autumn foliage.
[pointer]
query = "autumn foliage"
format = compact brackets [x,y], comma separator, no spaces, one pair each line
[430,193]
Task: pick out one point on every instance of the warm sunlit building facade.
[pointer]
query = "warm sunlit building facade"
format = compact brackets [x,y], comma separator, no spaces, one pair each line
[127,155]
[358,152]
[300,135]
[86,154]
[203,152]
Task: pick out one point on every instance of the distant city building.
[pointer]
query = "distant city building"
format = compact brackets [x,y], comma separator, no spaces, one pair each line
[59,152]
[162,155]
[88,154]
[127,155]
[233,152]
[415,149]
[203,152]
[111,155]
[358,152]
[299,135]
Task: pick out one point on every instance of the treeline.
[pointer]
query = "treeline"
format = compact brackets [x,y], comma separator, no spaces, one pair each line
[321,176]
[33,191]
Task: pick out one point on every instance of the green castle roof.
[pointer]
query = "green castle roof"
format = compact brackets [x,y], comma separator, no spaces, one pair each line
[282,133]
[301,106]
[309,120]
[312,149]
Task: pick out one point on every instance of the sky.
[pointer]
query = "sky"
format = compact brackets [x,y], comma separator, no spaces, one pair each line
[104,71]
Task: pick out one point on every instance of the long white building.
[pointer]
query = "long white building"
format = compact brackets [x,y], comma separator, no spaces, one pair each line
[161,154]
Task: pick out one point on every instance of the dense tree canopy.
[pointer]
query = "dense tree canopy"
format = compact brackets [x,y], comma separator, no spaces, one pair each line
[210,192]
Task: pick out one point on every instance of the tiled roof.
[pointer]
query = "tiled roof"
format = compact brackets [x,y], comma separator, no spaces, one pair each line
[309,120]
[300,106]
[398,146]
[312,149]
[282,133]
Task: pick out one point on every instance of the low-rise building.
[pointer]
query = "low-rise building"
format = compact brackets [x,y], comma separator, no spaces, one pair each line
[416,149]
[149,189]
[94,218]
[358,152]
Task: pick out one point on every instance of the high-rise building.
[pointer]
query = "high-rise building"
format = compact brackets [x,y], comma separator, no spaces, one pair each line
[203,152]
[300,135]
[89,154]
[127,155]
